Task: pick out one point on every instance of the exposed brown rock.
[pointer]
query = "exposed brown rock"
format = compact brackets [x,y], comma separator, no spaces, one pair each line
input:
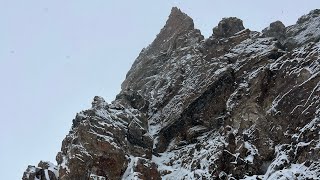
[238,104]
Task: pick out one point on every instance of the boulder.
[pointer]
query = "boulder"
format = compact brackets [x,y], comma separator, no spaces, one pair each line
[277,30]
[228,27]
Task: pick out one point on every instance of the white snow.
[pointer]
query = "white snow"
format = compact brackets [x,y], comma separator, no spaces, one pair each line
[253,151]
[130,174]
[96,177]
[179,162]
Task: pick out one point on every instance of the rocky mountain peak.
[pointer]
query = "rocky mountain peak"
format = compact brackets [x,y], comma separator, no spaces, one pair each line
[177,19]
[228,27]
[178,32]
[177,25]
[238,105]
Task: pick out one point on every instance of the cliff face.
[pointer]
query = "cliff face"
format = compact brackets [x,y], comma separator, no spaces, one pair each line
[240,104]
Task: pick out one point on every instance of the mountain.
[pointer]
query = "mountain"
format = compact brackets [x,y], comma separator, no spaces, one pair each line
[240,104]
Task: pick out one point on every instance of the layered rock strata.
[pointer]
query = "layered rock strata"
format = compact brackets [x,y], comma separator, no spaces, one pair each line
[240,104]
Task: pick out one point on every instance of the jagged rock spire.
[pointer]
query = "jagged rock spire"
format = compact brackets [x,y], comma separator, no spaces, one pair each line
[180,20]
[178,32]
[178,23]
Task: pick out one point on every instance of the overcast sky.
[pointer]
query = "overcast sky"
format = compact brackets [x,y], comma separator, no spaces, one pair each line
[55,56]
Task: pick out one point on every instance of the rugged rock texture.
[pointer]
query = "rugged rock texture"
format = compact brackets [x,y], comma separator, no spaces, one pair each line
[238,105]
[276,30]
[45,170]
[228,27]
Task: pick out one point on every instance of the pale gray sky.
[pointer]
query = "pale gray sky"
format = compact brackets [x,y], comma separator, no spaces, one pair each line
[55,56]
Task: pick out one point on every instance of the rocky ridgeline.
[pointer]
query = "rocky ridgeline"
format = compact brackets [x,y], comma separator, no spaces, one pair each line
[238,105]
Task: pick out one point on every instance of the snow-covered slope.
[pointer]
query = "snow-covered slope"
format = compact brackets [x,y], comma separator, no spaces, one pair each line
[238,105]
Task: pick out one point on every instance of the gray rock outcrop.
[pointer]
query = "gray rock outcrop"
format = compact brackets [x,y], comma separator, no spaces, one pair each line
[237,105]
[228,27]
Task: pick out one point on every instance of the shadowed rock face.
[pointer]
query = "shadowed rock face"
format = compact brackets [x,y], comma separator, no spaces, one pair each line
[277,30]
[228,27]
[239,104]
